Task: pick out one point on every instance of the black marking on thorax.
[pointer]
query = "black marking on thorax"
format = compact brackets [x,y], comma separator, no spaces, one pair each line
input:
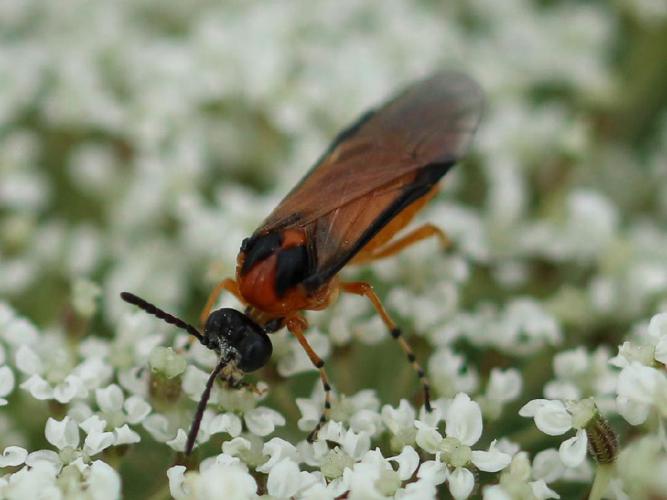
[258,248]
[293,264]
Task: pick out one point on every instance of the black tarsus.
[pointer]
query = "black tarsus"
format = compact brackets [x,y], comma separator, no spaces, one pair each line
[201,406]
[130,298]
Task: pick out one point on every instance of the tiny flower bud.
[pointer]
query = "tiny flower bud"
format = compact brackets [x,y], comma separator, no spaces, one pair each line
[335,462]
[167,362]
[84,297]
[167,368]
[388,482]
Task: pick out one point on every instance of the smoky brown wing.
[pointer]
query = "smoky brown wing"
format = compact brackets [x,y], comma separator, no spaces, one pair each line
[338,235]
[430,122]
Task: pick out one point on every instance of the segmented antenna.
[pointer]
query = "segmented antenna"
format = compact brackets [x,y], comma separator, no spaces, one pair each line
[201,406]
[130,298]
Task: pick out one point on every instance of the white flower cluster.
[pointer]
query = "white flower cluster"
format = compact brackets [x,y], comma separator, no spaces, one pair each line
[142,141]
[345,463]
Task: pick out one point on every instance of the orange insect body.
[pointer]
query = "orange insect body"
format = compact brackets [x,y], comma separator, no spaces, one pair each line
[376,175]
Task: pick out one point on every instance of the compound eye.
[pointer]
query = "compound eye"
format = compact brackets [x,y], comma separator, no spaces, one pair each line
[225,324]
[255,350]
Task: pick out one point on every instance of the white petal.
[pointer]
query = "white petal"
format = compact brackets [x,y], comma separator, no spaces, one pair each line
[542,491]
[461,483]
[28,361]
[194,382]
[7,381]
[277,450]
[492,460]
[310,413]
[109,399]
[97,442]
[13,456]
[262,421]
[38,387]
[103,481]
[433,471]
[236,446]
[657,327]
[398,418]
[284,479]
[504,385]
[553,419]
[93,424]
[463,420]
[634,412]
[531,407]
[428,438]
[181,439]
[93,373]
[408,461]
[70,388]
[661,350]
[225,481]
[136,409]
[157,426]
[42,457]
[573,451]
[125,435]
[225,422]
[548,466]
[638,383]
[79,411]
[62,433]
[496,492]
[176,475]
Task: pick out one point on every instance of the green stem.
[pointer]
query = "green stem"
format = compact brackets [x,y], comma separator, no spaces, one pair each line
[602,477]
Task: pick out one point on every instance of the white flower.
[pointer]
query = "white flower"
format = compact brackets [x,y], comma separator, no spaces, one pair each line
[579,373]
[640,389]
[373,477]
[360,410]
[6,383]
[284,479]
[515,482]
[335,449]
[657,329]
[216,481]
[651,344]
[449,373]
[117,410]
[463,427]
[503,386]
[98,438]
[53,373]
[12,456]
[553,418]
[262,421]
[84,297]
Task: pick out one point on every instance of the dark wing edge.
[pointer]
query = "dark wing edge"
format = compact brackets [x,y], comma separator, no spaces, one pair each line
[458,91]
[422,184]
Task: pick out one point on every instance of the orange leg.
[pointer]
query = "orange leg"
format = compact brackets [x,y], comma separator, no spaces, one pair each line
[416,235]
[365,289]
[226,284]
[297,325]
